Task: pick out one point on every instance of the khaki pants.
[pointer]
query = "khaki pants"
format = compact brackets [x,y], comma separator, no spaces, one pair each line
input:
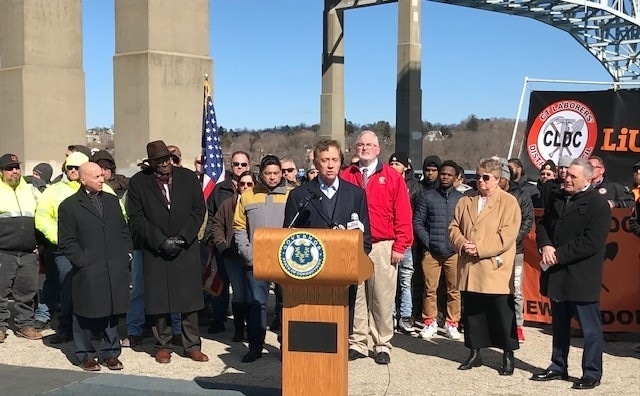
[432,267]
[374,303]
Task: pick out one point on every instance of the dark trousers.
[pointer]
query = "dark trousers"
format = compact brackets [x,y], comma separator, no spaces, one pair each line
[588,314]
[190,333]
[257,316]
[18,276]
[84,328]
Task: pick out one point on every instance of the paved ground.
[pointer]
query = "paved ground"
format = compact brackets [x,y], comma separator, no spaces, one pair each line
[417,367]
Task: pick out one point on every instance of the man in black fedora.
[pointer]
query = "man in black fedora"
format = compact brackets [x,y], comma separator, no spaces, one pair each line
[166,209]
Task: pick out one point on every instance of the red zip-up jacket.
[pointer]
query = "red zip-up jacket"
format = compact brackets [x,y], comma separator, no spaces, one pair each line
[390,216]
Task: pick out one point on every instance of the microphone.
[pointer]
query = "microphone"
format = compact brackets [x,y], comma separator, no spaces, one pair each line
[355,223]
[301,206]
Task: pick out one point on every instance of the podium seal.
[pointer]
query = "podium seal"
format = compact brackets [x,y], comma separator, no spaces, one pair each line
[301,255]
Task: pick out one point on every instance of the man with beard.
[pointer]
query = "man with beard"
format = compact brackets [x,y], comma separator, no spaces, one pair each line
[166,210]
[556,184]
[18,262]
[95,237]
[262,206]
[519,176]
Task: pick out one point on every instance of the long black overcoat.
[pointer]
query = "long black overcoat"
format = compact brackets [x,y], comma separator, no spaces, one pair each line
[577,227]
[170,285]
[99,248]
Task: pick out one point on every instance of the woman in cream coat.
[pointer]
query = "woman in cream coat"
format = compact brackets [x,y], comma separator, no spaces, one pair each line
[483,232]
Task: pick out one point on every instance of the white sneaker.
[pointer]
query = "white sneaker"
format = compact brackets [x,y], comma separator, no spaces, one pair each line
[452,332]
[429,331]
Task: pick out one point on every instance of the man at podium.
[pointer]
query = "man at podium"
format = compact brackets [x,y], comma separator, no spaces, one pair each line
[329,201]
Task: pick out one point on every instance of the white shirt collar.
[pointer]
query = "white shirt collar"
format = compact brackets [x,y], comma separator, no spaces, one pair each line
[324,186]
[371,168]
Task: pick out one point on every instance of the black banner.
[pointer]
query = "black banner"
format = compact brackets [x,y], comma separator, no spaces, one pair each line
[582,124]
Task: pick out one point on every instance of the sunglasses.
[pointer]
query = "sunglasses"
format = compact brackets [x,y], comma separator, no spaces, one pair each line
[245,184]
[11,167]
[484,177]
[242,164]
[289,170]
[72,167]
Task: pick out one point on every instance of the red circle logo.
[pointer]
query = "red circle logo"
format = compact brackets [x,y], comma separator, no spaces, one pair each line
[566,127]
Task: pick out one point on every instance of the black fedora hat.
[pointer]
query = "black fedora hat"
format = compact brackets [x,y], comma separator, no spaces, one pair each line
[157,149]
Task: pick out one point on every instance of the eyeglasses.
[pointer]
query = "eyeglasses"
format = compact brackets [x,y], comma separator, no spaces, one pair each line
[484,177]
[11,167]
[245,184]
[288,170]
[242,164]
[367,145]
[72,167]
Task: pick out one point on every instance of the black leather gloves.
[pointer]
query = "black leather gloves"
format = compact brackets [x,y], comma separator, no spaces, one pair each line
[172,246]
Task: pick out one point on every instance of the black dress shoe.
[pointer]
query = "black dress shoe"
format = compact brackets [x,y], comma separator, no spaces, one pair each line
[60,338]
[474,360]
[586,383]
[382,358]
[548,375]
[508,363]
[355,355]
[252,356]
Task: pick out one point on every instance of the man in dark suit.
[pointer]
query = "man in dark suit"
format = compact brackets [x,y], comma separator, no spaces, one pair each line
[166,210]
[329,201]
[571,236]
[94,236]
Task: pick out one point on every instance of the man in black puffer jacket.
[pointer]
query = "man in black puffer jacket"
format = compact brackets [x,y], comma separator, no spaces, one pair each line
[526,210]
[431,220]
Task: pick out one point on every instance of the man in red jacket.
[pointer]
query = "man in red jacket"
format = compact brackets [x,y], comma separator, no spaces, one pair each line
[391,234]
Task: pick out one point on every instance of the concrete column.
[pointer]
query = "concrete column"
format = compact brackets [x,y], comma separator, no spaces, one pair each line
[162,55]
[42,104]
[332,97]
[408,91]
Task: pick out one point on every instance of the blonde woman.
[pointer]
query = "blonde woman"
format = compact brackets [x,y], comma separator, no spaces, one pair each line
[483,232]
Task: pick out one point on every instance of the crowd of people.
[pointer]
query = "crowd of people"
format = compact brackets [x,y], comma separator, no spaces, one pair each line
[447,252]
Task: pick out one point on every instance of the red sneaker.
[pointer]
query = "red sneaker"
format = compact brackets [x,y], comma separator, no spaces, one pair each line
[520,334]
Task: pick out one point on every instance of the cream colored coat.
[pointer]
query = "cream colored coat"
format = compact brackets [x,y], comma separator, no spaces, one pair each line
[494,232]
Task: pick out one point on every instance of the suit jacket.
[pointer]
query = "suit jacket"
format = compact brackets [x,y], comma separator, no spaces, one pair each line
[170,285]
[99,248]
[494,231]
[349,199]
[577,226]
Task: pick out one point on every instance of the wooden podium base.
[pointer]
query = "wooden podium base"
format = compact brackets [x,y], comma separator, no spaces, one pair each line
[315,340]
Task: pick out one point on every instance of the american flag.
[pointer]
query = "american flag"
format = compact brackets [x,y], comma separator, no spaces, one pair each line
[212,161]
[212,174]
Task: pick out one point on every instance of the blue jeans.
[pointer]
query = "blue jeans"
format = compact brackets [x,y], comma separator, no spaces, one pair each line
[50,293]
[64,267]
[237,272]
[257,320]
[136,314]
[403,295]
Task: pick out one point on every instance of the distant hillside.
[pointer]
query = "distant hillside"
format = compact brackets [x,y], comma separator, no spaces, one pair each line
[466,143]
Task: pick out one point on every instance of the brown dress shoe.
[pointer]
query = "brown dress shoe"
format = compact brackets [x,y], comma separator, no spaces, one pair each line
[3,335]
[198,356]
[114,364]
[163,356]
[29,333]
[90,365]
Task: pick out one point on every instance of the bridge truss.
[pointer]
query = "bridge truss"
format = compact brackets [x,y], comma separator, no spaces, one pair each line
[608,29]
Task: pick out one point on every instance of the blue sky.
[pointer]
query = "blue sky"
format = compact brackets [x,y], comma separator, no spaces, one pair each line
[267,62]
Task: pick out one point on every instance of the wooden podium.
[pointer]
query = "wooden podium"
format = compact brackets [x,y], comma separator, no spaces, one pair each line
[314,268]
